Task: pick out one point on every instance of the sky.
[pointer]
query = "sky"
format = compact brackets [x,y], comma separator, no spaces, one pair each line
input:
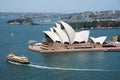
[58,6]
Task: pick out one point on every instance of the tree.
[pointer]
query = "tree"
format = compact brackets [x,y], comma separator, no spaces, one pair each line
[118,38]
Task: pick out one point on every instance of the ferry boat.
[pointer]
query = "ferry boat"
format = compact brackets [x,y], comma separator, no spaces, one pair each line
[17,59]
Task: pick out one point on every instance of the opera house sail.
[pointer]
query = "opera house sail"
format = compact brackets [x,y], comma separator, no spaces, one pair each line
[63,38]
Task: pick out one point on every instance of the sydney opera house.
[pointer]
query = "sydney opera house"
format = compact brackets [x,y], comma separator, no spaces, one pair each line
[63,38]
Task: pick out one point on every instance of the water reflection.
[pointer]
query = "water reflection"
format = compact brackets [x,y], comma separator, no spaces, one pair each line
[74,59]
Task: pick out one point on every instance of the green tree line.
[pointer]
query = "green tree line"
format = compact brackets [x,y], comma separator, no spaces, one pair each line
[118,38]
[95,24]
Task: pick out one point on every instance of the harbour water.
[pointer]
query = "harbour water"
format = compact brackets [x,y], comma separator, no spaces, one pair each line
[55,66]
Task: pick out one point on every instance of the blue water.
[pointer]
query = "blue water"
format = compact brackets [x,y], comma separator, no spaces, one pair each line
[55,66]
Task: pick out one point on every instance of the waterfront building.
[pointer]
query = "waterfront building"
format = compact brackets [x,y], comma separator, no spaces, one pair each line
[63,38]
[64,33]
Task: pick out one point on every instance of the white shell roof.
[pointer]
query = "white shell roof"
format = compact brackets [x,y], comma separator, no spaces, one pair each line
[53,36]
[82,36]
[99,39]
[63,32]
[62,35]
[69,31]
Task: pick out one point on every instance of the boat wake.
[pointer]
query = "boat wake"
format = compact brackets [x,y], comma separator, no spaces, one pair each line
[68,69]
[63,69]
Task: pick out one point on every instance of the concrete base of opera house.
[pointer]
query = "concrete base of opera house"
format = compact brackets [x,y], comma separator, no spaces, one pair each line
[46,49]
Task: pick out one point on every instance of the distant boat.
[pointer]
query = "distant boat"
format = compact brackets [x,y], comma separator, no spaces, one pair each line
[17,59]
[12,34]
[32,41]
[48,21]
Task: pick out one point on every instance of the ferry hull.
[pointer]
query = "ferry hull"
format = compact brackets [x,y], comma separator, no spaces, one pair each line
[18,61]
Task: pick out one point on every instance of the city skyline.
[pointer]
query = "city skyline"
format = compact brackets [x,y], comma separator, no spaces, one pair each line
[58,6]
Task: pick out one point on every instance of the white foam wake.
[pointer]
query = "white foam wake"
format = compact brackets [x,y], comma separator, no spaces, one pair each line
[68,69]
[59,68]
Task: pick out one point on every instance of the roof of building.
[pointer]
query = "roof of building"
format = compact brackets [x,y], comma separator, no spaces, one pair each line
[100,40]
[81,36]
[63,32]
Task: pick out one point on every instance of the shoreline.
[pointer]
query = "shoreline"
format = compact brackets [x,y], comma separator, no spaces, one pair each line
[100,28]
